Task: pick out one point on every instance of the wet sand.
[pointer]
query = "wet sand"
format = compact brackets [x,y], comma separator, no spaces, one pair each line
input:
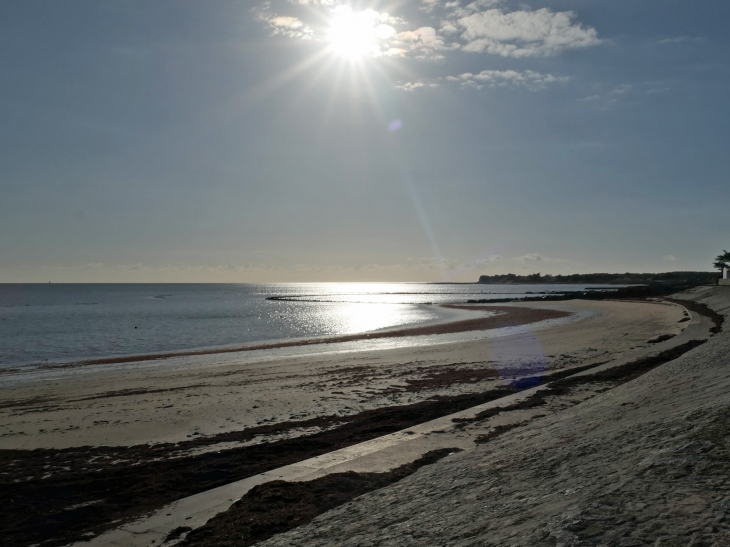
[644,463]
[496,317]
[156,431]
[172,400]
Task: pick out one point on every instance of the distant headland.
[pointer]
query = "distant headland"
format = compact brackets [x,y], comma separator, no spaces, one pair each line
[682,278]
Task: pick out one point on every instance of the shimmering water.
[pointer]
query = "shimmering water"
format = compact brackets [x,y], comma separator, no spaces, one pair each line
[66,322]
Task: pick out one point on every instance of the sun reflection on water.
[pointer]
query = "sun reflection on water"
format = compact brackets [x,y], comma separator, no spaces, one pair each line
[367,317]
[339,318]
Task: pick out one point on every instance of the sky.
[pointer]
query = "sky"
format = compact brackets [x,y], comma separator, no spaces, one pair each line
[409,140]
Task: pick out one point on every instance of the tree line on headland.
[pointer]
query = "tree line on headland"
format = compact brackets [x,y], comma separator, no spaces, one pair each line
[690,278]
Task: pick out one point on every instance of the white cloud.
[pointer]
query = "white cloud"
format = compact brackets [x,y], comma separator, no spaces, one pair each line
[285,22]
[380,24]
[430,5]
[413,86]
[284,25]
[423,43]
[529,79]
[457,11]
[621,90]
[524,33]
[395,52]
[454,7]
[448,28]
[670,258]
[680,39]
[389,19]
[603,100]
[477,26]
[313,2]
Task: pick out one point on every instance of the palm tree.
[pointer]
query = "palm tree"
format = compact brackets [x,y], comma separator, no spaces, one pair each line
[722,261]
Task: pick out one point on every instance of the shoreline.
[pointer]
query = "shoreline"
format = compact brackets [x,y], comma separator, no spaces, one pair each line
[177,399]
[353,398]
[643,463]
[506,316]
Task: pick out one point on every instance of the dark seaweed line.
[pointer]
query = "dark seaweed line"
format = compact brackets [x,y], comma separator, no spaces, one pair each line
[279,506]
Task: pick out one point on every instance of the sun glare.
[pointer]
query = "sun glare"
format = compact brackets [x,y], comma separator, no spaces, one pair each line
[354,34]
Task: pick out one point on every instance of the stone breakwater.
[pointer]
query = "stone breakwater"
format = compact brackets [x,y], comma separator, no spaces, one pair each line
[646,463]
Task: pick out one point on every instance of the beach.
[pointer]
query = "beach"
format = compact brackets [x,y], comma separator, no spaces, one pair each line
[159,430]
[174,399]
[645,463]
[333,273]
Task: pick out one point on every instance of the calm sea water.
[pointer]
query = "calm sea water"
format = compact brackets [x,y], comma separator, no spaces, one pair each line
[66,322]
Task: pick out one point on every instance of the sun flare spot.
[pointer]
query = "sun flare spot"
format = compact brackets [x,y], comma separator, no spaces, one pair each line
[355,35]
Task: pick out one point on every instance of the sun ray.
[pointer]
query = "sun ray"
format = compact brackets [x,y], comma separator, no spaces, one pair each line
[334,92]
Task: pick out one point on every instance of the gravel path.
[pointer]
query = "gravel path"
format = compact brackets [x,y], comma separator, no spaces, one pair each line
[647,463]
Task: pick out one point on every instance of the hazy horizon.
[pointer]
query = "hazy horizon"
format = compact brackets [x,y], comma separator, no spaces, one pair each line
[306,141]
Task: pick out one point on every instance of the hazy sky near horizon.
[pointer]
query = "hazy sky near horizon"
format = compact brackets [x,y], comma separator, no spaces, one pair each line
[410,140]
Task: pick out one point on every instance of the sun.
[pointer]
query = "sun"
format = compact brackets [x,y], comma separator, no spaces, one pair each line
[353,35]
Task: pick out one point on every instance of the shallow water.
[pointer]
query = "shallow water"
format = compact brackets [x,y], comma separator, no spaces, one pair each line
[66,322]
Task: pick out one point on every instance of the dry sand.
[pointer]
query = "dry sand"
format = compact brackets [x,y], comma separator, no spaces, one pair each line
[180,398]
[645,463]
[309,410]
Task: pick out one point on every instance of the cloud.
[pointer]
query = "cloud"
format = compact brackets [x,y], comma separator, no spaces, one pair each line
[478,26]
[475,26]
[493,78]
[284,25]
[380,24]
[454,7]
[537,257]
[430,5]
[529,79]
[389,19]
[680,39]
[313,2]
[670,258]
[413,86]
[524,33]
[423,43]
[448,28]
[621,90]
[603,100]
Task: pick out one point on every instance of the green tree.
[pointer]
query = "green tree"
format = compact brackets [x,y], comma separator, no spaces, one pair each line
[722,261]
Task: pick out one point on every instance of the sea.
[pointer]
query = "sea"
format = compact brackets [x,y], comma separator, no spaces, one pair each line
[58,323]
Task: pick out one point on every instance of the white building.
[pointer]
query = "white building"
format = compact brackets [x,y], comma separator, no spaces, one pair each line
[724,280]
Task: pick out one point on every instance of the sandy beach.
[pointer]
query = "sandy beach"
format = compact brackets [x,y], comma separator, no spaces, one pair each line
[174,399]
[158,430]
[645,463]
